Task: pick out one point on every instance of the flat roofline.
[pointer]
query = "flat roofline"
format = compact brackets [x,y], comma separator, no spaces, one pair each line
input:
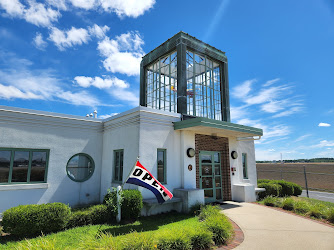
[210,123]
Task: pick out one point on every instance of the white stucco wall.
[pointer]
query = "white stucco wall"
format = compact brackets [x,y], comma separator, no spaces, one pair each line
[243,189]
[64,136]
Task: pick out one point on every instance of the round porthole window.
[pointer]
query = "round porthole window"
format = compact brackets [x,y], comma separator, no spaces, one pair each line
[80,167]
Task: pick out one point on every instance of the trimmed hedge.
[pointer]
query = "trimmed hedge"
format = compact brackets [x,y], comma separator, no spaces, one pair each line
[272,189]
[287,188]
[98,214]
[29,220]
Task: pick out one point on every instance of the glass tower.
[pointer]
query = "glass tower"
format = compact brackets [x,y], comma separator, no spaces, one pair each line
[186,76]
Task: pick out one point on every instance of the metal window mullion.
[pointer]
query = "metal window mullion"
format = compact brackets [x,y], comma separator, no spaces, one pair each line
[194,86]
[170,83]
[153,75]
[206,88]
[11,165]
[213,93]
[210,89]
[159,83]
[29,166]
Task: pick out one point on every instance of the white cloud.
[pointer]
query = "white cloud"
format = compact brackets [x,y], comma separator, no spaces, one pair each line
[242,90]
[80,98]
[125,95]
[291,111]
[83,4]
[39,41]
[100,83]
[324,143]
[130,8]
[13,7]
[18,82]
[123,54]
[35,13]
[69,38]
[271,82]
[11,92]
[323,124]
[59,4]
[238,112]
[98,31]
[271,150]
[301,138]
[107,116]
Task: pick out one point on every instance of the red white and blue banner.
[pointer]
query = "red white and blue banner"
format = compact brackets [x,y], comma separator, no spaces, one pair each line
[142,177]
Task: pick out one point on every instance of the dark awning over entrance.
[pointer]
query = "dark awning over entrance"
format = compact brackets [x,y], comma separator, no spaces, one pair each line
[221,128]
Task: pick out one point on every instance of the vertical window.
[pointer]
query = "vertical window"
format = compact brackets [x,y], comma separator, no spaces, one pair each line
[23,165]
[244,165]
[203,86]
[161,164]
[161,83]
[118,165]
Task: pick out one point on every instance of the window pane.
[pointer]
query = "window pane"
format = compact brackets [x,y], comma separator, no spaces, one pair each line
[206,158]
[80,167]
[208,193]
[206,182]
[38,166]
[20,166]
[206,170]
[161,165]
[4,165]
[218,194]
[244,166]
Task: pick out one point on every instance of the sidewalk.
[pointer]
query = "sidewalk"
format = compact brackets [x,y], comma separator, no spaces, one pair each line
[267,228]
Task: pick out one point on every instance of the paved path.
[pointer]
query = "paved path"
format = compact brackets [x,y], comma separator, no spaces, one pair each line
[267,228]
[323,196]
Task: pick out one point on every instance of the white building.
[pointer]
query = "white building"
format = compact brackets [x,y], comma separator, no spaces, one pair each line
[181,131]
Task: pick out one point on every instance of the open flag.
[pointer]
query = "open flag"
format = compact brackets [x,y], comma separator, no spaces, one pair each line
[142,177]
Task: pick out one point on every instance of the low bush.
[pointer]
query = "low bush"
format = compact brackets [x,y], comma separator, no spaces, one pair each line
[207,211]
[174,239]
[330,216]
[29,220]
[287,187]
[97,214]
[270,201]
[297,189]
[135,241]
[271,189]
[200,238]
[263,181]
[132,204]
[288,204]
[301,207]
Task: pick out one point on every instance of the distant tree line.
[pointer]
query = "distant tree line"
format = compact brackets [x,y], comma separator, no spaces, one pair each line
[301,160]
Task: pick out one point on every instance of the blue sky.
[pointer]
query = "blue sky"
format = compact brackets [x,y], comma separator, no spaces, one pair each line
[74,56]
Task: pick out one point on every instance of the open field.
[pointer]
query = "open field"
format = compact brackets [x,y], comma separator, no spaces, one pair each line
[319,175]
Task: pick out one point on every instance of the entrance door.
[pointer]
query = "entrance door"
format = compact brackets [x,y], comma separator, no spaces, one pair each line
[210,175]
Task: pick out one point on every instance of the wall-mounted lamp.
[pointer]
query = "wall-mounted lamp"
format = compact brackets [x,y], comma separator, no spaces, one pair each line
[190,152]
[234,154]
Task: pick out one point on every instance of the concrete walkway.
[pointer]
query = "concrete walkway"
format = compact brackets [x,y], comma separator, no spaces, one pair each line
[267,228]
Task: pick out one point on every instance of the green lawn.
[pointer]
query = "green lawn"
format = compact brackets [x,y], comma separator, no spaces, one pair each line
[104,236]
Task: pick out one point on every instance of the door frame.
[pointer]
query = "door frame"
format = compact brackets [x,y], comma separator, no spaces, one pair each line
[213,164]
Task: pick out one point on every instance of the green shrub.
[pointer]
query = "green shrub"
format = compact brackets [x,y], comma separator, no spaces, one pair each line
[28,220]
[263,181]
[98,214]
[287,188]
[270,201]
[297,189]
[288,204]
[207,211]
[135,241]
[271,189]
[220,227]
[301,207]
[200,238]
[132,204]
[174,239]
[330,216]
[196,208]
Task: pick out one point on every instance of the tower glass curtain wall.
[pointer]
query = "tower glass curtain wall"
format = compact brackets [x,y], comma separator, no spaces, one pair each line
[161,80]
[203,86]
